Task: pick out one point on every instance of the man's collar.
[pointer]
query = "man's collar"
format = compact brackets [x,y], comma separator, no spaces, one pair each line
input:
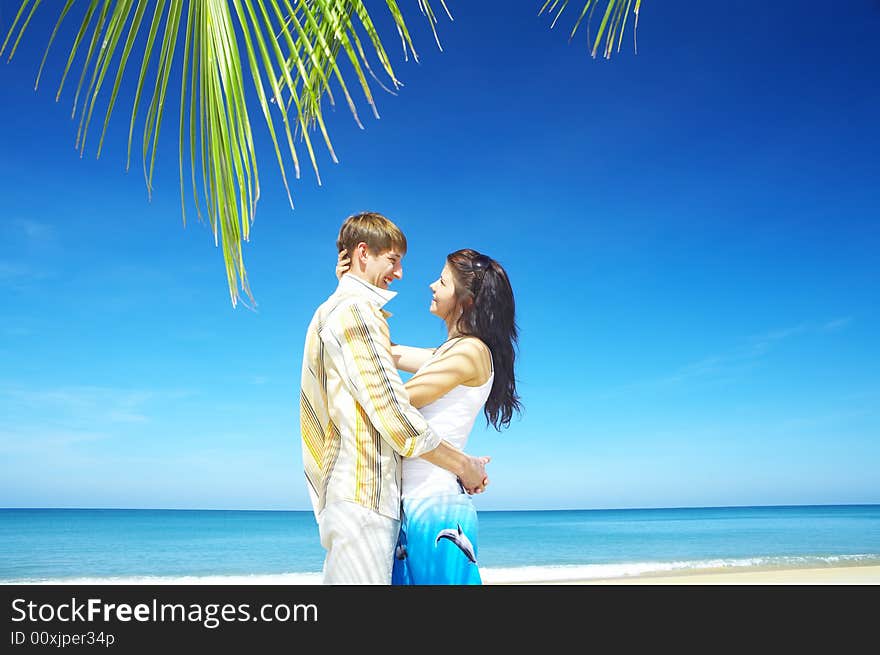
[353,284]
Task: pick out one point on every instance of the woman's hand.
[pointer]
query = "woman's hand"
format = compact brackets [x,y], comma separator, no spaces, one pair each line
[343,263]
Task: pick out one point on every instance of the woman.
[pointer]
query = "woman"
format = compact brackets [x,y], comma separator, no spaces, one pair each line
[472,370]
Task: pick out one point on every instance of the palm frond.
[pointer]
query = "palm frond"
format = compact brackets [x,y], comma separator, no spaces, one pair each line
[289,50]
[292,50]
[611,27]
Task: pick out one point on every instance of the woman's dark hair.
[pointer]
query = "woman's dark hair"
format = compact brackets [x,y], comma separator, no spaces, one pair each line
[488,312]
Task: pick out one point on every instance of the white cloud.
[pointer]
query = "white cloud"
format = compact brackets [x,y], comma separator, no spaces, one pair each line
[837,324]
[34,231]
[737,360]
[78,406]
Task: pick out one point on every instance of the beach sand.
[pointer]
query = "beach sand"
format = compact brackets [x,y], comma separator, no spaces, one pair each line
[828,575]
[835,575]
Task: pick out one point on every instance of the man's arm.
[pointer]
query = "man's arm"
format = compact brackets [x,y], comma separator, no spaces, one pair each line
[470,470]
[361,334]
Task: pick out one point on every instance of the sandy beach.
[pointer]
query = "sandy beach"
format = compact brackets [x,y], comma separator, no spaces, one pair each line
[837,575]
[828,575]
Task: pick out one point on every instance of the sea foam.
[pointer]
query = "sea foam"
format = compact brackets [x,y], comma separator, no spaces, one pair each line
[563,573]
[510,575]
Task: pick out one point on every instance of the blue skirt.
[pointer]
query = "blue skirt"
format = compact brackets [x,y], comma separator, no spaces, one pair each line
[437,544]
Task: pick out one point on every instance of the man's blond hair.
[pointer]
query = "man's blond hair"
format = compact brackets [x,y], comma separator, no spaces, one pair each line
[379,233]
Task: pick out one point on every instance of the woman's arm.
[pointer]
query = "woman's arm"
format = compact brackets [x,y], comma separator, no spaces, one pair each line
[463,363]
[406,358]
[409,358]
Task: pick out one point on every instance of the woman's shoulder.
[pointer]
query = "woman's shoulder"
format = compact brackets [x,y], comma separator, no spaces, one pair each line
[475,344]
[466,344]
[478,354]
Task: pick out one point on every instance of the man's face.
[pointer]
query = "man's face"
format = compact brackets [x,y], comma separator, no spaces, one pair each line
[382,269]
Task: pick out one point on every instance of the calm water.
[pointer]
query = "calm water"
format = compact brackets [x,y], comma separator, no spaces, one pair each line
[38,545]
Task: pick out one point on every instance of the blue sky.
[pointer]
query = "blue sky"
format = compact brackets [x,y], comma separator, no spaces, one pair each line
[691,233]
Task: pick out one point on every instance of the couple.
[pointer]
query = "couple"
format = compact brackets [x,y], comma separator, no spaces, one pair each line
[389,483]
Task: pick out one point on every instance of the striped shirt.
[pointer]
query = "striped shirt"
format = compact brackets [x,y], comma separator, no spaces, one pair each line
[355,417]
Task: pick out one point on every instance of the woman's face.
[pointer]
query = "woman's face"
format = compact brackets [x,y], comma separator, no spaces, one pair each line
[443,301]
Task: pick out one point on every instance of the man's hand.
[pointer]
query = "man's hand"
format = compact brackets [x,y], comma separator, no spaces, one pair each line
[471,471]
[473,478]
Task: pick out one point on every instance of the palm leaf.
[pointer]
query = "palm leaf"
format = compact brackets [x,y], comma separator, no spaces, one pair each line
[289,49]
[292,50]
[611,27]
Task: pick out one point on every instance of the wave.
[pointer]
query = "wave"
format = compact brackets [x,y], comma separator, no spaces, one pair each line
[573,572]
[250,579]
[506,575]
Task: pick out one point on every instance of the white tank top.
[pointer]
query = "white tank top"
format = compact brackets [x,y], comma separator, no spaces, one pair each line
[451,416]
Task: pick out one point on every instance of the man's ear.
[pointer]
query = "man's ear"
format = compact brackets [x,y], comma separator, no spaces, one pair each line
[361,251]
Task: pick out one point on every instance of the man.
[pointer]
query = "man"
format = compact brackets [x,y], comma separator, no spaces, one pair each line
[355,416]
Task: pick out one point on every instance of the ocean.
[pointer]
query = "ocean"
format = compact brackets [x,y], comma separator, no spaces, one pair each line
[122,546]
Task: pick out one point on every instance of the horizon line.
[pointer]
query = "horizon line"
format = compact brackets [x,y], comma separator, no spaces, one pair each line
[480,511]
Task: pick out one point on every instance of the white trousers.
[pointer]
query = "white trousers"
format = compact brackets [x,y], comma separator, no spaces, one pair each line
[359,543]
